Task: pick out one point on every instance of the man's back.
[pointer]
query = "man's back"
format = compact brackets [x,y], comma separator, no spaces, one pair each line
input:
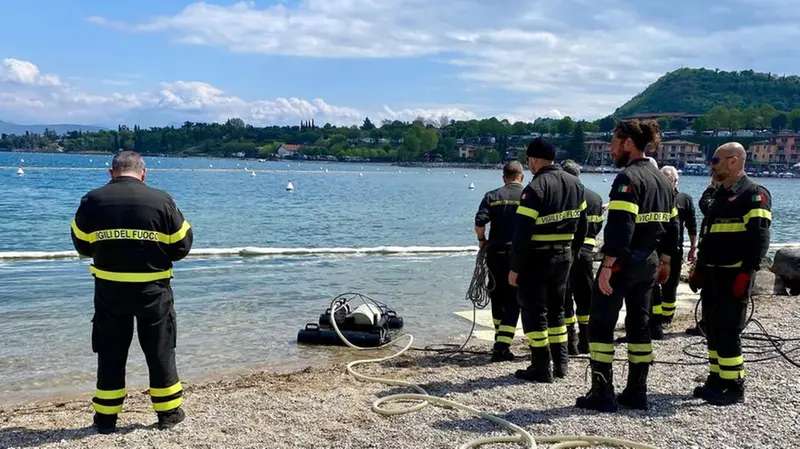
[134,232]
[498,208]
[560,202]
[594,213]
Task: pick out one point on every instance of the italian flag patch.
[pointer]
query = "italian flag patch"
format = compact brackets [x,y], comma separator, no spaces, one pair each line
[758,198]
[624,189]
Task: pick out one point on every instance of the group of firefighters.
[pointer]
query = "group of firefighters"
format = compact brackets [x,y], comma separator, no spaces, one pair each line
[539,251]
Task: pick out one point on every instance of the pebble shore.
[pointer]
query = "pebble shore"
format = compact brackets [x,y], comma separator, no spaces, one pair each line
[324,407]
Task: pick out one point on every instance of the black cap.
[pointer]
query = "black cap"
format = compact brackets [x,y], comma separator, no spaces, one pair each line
[541,149]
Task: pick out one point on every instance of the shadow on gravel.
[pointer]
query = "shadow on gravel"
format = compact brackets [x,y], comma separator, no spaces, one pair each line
[661,405]
[442,388]
[19,437]
[435,360]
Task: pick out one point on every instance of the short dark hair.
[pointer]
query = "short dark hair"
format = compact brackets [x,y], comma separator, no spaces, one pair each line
[512,170]
[127,161]
[571,167]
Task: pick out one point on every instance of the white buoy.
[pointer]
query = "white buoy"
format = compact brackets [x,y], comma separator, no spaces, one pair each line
[90,160]
[22,161]
[465,175]
[471,186]
[20,171]
[245,169]
[289,187]
[253,173]
[361,175]
[210,165]
[106,164]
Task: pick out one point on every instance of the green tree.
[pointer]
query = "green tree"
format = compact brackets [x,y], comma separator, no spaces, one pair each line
[565,126]
[679,124]
[577,144]
[367,126]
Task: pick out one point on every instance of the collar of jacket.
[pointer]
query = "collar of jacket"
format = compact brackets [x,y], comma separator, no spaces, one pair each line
[125,179]
[739,184]
[547,168]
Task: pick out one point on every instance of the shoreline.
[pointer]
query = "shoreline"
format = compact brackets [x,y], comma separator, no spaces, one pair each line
[324,406]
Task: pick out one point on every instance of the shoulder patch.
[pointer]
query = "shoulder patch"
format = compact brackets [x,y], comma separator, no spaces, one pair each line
[624,189]
[524,195]
[759,198]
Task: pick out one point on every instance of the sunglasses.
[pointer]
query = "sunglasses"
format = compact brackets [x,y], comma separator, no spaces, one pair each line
[716,160]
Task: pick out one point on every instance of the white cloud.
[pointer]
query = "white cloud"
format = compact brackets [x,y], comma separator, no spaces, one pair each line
[581,57]
[28,96]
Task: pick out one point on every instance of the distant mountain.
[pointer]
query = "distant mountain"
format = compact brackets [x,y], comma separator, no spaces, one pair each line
[696,91]
[13,128]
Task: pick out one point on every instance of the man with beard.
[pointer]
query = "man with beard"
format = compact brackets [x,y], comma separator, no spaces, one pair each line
[735,238]
[641,219]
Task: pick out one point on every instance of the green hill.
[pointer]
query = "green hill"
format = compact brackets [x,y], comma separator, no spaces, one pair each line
[697,91]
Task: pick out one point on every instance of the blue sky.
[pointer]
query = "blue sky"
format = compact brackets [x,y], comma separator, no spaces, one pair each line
[278,62]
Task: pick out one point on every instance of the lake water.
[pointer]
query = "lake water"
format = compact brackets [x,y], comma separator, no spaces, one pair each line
[236,312]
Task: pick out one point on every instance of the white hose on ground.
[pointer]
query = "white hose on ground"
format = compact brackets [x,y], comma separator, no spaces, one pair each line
[522,436]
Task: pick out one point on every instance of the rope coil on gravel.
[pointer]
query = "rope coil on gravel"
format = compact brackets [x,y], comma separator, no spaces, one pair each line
[522,437]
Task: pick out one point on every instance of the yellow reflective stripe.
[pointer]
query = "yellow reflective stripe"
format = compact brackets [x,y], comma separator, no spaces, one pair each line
[537,339]
[674,212]
[602,347]
[169,391]
[80,234]
[107,409]
[728,227]
[509,329]
[129,277]
[582,206]
[712,354]
[730,361]
[624,206]
[713,368]
[557,330]
[178,236]
[536,335]
[131,234]
[640,358]
[503,202]
[110,394]
[731,375]
[570,320]
[496,321]
[552,237]
[167,406]
[504,339]
[558,216]
[557,338]
[653,217]
[557,334]
[736,265]
[640,347]
[528,212]
[594,218]
[760,213]
[657,310]
[589,241]
[601,357]
[583,319]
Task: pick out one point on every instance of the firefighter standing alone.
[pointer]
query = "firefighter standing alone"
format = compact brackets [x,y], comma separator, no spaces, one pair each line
[498,209]
[133,232]
[551,218]
[641,219]
[734,240]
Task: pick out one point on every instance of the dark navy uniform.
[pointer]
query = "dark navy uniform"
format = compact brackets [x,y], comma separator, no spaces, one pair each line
[581,276]
[133,232]
[498,209]
[641,219]
[665,296]
[734,239]
[551,218]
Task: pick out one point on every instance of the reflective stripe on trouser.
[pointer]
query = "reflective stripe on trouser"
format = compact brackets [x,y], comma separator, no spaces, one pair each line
[570,320]
[633,286]
[713,362]
[109,402]
[541,295]
[166,399]
[731,368]
[557,334]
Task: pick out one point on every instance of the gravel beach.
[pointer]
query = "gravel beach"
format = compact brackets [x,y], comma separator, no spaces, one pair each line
[324,407]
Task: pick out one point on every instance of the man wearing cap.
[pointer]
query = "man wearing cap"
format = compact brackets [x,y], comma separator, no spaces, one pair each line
[551,219]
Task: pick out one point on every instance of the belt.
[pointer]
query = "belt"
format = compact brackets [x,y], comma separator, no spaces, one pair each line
[639,256]
[553,246]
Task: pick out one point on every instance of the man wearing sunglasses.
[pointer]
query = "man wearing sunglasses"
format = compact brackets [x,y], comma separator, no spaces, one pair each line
[734,239]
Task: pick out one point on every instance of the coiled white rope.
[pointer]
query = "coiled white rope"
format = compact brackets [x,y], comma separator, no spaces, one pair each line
[522,437]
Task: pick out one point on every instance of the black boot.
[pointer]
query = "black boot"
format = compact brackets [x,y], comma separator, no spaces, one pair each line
[168,420]
[105,424]
[601,396]
[583,338]
[572,340]
[713,385]
[635,393]
[540,369]
[656,332]
[560,355]
[502,353]
[732,392]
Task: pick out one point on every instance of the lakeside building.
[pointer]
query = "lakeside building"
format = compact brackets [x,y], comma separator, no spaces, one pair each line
[782,149]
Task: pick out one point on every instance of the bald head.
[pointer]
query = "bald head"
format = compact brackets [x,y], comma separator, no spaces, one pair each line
[727,165]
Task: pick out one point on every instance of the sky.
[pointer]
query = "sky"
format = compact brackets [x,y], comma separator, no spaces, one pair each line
[155,63]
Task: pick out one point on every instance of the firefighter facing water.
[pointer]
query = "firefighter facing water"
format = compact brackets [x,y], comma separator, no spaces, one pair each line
[498,210]
[641,219]
[550,219]
[734,240]
[133,232]
[665,296]
[581,275]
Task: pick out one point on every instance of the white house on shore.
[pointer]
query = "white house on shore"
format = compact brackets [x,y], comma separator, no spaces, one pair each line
[287,150]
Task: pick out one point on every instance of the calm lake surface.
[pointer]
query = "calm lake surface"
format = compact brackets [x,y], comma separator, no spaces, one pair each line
[237,312]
